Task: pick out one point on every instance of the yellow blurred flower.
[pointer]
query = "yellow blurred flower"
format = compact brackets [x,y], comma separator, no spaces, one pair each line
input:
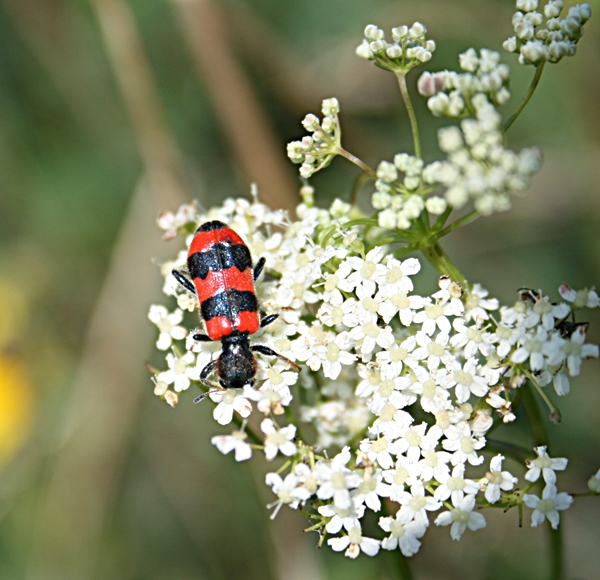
[16,400]
[16,396]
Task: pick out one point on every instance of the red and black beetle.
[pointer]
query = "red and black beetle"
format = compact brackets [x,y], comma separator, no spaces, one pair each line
[220,267]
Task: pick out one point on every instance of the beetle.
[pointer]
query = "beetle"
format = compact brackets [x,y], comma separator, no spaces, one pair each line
[222,277]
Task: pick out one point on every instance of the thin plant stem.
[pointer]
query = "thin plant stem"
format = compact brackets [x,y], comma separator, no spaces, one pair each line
[554,412]
[557,560]
[528,95]
[438,258]
[411,113]
[341,151]
[463,221]
[398,565]
[534,414]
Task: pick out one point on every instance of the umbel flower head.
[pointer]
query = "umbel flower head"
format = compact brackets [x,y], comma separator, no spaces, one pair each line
[400,384]
[546,37]
[409,47]
[399,388]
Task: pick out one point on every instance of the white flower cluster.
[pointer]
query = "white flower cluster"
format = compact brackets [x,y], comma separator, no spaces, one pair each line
[316,152]
[451,93]
[407,386]
[546,37]
[479,167]
[409,48]
[399,202]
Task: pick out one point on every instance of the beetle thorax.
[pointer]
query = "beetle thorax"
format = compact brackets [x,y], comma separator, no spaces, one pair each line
[236,366]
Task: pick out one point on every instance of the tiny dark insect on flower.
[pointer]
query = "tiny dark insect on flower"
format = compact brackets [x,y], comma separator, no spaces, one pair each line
[222,277]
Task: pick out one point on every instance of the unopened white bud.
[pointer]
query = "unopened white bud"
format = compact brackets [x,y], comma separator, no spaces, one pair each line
[527,5]
[413,206]
[394,51]
[430,83]
[381,200]
[400,33]
[387,172]
[510,44]
[364,50]
[438,104]
[502,96]
[330,106]
[411,182]
[524,30]
[533,51]
[378,46]
[387,219]
[436,205]
[552,9]
[417,31]
[468,60]
[450,139]
[372,32]
[310,122]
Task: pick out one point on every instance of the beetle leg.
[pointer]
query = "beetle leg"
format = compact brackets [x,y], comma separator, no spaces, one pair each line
[209,368]
[202,337]
[270,352]
[259,267]
[203,396]
[185,282]
[268,319]
[216,388]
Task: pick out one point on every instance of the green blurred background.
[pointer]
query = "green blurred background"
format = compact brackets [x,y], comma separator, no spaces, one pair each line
[112,111]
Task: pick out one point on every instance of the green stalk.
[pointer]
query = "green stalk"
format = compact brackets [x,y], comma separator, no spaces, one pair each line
[411,113]
[557,560]
[554,412]
[438,258]
[528,95]
[398,565]
[463,221]
[534,414]
[341,151]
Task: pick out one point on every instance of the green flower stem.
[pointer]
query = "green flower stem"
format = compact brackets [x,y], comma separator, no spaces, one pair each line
[557,561]
[398,565]
[528,95]
[534,414]
[341,151]
[438,258]
[411,113]
[554,412]
[463,221]
[515,452]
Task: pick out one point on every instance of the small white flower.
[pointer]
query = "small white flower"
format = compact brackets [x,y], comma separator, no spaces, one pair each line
[234,442]
[354,543]
[497,480]
[229,400]
[402,535]
[347,518]
[336,480]
[548,506]
[456,486]
[544,465]
[278,440]
[180,372]
[288,490]
[461,517]
[416,504]
[168,325]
